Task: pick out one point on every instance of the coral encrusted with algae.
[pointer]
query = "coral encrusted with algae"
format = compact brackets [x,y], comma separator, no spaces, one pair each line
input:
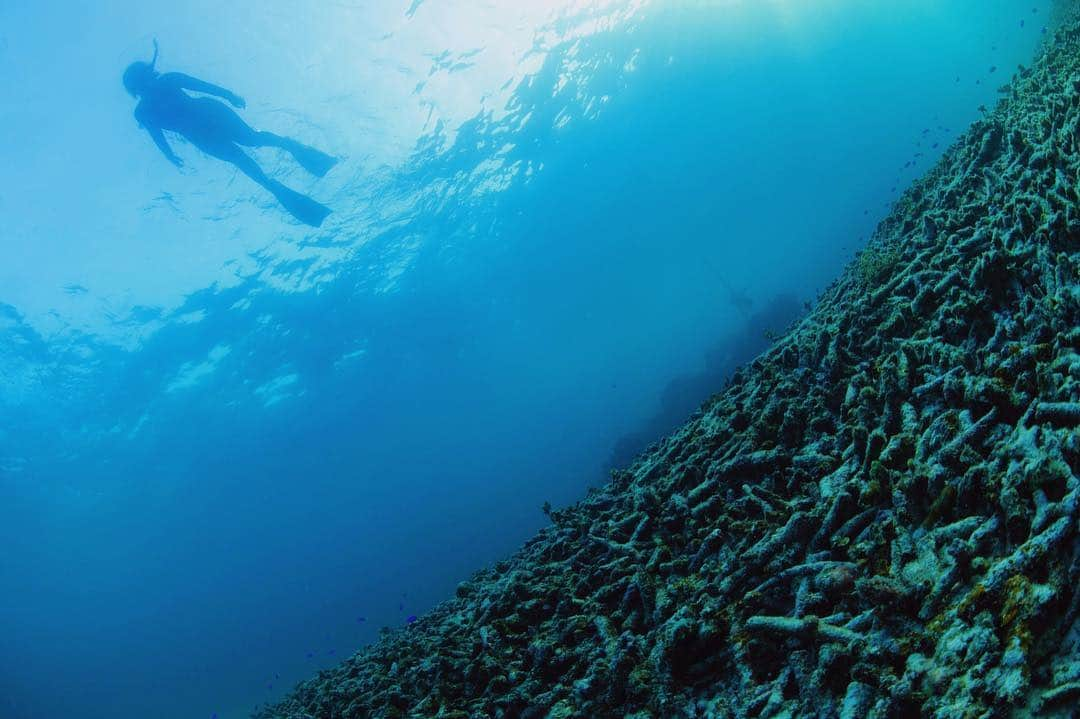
[877,518]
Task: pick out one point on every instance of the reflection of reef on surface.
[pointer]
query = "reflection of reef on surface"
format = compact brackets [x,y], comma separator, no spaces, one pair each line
[877,517]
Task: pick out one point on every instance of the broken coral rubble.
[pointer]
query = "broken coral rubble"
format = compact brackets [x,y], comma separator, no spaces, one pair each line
[878,517]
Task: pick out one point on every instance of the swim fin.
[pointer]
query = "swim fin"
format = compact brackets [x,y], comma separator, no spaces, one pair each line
[314,161]
[300,206]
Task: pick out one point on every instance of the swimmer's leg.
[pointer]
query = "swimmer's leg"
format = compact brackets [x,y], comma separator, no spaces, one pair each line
[299,206]
[316,162]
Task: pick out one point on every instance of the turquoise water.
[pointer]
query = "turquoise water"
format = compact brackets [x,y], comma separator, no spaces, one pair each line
[233,447]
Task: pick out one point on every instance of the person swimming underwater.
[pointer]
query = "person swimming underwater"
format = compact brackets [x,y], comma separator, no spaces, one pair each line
[214,128]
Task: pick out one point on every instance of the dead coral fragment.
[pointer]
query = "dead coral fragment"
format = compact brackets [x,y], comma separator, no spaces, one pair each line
[804,628]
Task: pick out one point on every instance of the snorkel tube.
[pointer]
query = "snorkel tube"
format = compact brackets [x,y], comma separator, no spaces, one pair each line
[139,74]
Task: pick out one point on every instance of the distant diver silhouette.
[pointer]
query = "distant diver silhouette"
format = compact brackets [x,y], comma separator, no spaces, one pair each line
[215,129]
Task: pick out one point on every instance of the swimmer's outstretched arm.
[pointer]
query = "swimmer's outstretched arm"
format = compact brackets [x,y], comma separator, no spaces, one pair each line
[187,82]
[163,145]
[158,137]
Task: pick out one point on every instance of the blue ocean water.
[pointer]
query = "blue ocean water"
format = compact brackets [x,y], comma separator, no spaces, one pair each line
[233,447]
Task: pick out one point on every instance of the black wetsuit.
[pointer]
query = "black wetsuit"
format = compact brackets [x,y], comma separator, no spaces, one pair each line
[217,130]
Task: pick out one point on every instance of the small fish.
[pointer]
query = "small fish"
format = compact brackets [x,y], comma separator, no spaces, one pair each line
[410,619]
[993,68]
[401,606]
[332,652]
[270,687]
[361,620]
[935,145]
[1021,23]
[310,655]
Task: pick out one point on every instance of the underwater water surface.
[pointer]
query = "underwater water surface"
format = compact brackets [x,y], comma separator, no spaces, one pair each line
[233,447]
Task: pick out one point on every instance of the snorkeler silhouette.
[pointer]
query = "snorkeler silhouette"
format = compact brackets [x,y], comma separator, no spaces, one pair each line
[215,129]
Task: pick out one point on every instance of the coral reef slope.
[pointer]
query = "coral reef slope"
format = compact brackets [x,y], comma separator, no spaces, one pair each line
[877,517]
